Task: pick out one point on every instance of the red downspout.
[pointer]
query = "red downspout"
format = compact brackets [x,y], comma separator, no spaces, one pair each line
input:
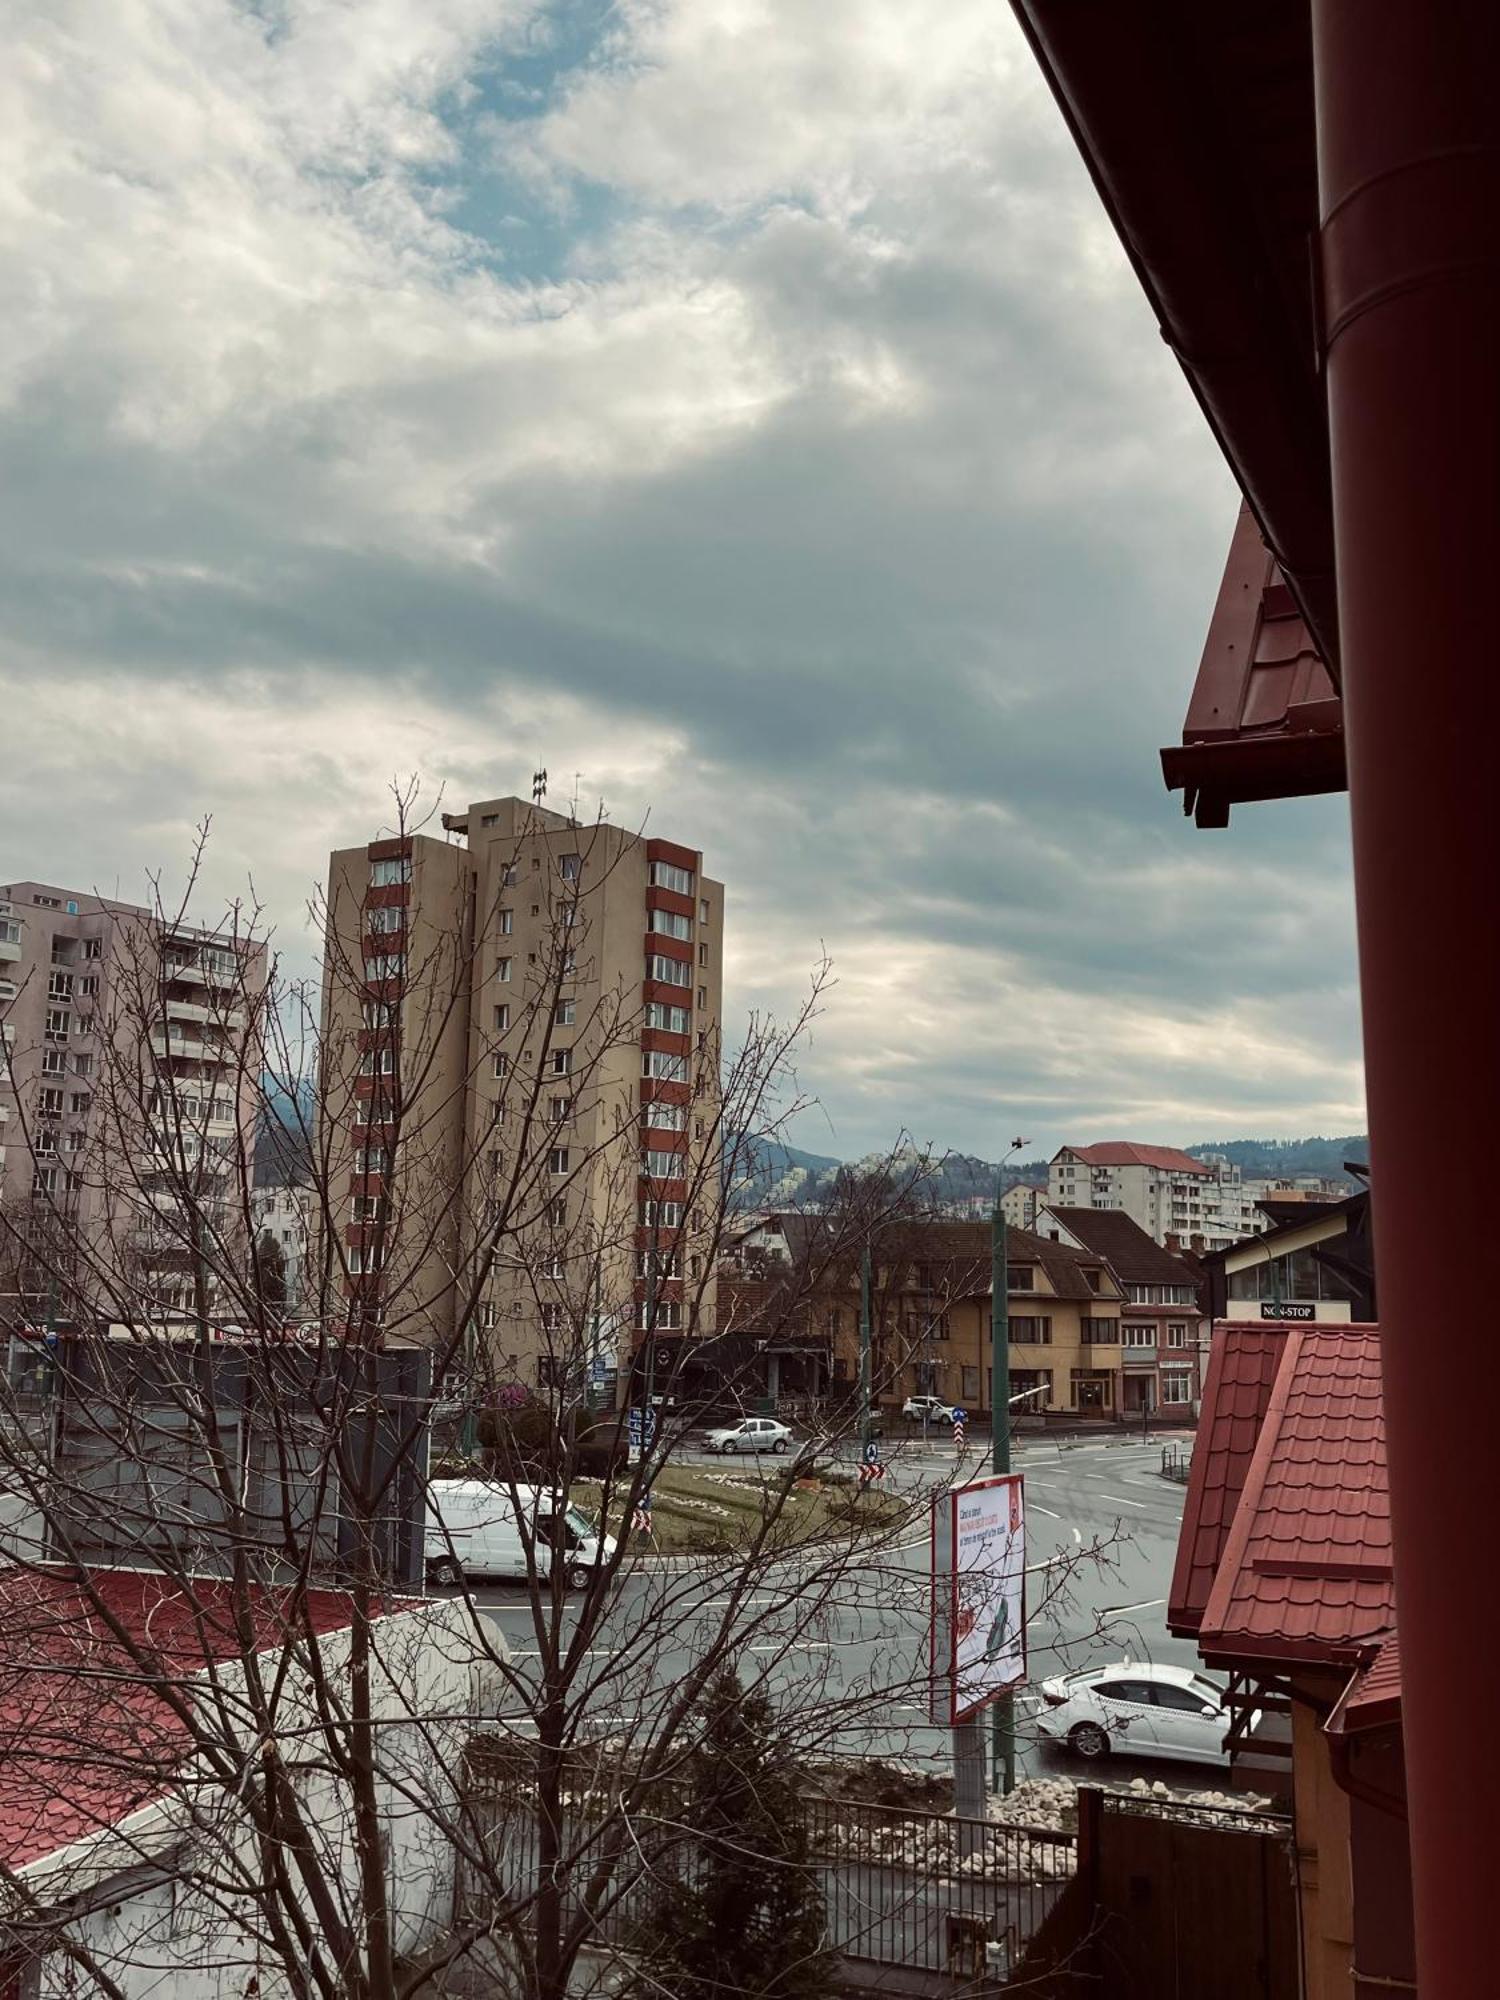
[1407,97]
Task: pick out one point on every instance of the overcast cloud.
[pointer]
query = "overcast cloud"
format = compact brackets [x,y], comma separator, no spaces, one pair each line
[740,402]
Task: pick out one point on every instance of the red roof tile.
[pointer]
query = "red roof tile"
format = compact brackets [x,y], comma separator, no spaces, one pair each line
[1306,1571]
[1242,1368]
[1126,1153]
[1372,1700]
[85,1740]
[1265,720]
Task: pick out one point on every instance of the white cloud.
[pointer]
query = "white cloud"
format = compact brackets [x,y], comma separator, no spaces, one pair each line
[801,465]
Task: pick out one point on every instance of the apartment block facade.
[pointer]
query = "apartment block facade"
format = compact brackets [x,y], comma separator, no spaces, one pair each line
[521,1028]
[1164,1327]
[1200,1204]
[130,1075]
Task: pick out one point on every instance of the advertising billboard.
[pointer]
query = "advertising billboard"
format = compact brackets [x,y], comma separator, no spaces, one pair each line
[978,1595]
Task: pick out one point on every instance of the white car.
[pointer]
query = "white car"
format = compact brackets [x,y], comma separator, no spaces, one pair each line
[929,1409]
[754,1434]
[1145,1709]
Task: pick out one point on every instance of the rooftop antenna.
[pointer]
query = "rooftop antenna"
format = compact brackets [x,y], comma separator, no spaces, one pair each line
[538,787]
[577,777]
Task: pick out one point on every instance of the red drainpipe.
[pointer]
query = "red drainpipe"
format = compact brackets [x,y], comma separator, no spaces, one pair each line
[1409,185]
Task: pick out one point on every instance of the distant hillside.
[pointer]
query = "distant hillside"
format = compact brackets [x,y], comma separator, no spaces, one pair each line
[1277,1159]
[281,1143]
[772,1174]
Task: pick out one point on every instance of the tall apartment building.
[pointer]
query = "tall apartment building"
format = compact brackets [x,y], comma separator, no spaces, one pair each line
[130,1070]
[1201,1203]
[520,1099]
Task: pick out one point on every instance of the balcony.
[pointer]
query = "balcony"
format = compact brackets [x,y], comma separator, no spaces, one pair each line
[1138,1357]
[178,1043]
[203,1015]
[10,947]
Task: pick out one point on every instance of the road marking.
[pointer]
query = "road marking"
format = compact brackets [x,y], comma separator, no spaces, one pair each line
[1038,1508]
[802,1645]
[1119,1500]
[1119,1610]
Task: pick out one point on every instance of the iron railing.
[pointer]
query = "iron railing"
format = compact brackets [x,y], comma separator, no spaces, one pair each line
[919,1890]
[1176,1463]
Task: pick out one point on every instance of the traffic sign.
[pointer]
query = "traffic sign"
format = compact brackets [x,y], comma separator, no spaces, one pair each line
[960,1415]
[641,1425]
[872,1453]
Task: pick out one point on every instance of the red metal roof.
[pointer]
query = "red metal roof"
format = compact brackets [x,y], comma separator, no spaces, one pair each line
[1242,1370]
[1306,1571]
[84,1738]
[1125,1153]
[1372,1700]
[1265,720]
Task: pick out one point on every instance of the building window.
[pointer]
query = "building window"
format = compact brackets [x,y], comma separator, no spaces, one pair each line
[665,1315]
[59,1024]
[383,874]
[382,922]
[508,876]
[662,1166]
[664,1067]
[78,1104]
[366,1208]
[54,1062]
[562,1062]
[93,948]
[661,1014]
[557,1213]
[502,1018]
[507,922]
[45,1180]
[552,1267]
[1031,1331]
[387,965]
[564,1014]
[663,875]
[702,996]
[1030,1389]
[59,986]
[557,1160]
[83,1065]
[552,1318]
[1177,1333]
[1135,1335]
[1022,1278]
[703,954]
[502,970]
[371,1160]
[489,1315]
[500,1067]
[670,971]
[560,1109]
[658,1263]
[1176,1385]
[671,925]
[703,909]
[378,1062]
[365,1257]
[666,1117]
[661,1214]
[51,1102]
[570,866]
[48,902]
[1095,1331]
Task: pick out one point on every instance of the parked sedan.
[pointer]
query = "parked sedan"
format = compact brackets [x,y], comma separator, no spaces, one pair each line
[927,1409]
[1149,1710]
[754,1434]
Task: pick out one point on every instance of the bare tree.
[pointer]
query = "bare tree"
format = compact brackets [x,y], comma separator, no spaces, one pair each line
[219,1520]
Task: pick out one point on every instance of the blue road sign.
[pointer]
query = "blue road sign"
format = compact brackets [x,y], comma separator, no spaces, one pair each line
[641,1423]
[872,1453]
[960,1416]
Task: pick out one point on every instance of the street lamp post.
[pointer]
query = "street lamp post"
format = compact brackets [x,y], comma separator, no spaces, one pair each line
[1003,1741]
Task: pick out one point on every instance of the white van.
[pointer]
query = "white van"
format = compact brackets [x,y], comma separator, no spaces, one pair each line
[472,1531]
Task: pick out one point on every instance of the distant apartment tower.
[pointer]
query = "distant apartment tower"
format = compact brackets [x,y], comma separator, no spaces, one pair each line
[1200,1203]
[521,1030]
[128,1088]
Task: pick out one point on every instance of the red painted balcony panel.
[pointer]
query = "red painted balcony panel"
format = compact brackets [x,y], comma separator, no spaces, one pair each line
[664,1040]
[388,896]
[669,899]
[678,857]
[389,850]
[660,946]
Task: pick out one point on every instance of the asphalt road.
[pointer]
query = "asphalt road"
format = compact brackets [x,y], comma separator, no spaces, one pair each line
[846,1652]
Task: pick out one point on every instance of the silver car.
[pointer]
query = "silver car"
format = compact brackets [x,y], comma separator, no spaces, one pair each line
[754,1434]
[1142,1707]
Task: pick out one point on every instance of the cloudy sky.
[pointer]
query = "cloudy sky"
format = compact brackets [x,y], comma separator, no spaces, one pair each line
[741,403]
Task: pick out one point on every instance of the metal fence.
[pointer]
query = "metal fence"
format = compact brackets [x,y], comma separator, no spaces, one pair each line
[1176,1463]
[919,1890]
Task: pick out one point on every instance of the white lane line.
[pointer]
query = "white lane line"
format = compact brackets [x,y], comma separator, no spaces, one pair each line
[802,1645]
[1038,1508]
[1119,1500]
[1119,1610]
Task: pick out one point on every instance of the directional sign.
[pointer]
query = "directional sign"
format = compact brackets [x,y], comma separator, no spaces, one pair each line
[960,1416]
[872,1453]
[641,1424]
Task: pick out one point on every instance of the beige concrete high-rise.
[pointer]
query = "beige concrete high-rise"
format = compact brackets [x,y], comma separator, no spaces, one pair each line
[129,1079]
[521,1090]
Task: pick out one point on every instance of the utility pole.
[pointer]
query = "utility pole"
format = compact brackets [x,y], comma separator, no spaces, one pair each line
[864,1352]
[1003,1726]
